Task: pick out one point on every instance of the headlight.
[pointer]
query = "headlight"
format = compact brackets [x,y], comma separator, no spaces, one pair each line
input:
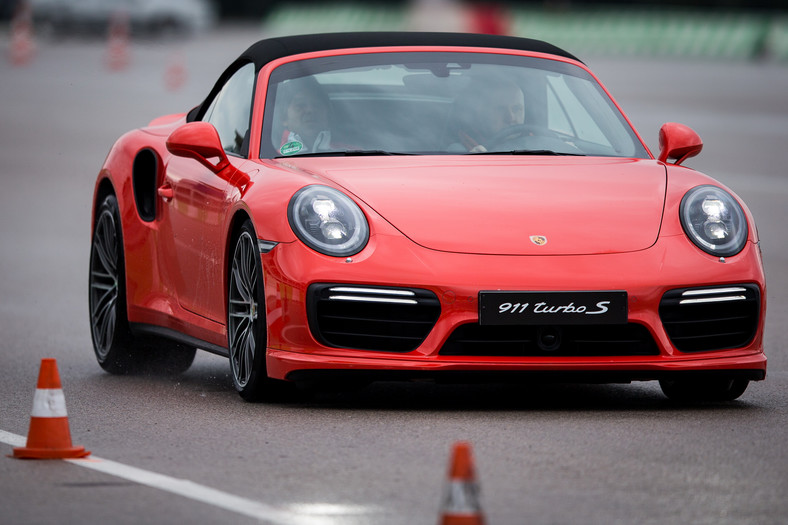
[328,221]
[714,221]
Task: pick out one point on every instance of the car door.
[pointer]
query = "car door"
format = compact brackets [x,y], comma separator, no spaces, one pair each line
[197,200]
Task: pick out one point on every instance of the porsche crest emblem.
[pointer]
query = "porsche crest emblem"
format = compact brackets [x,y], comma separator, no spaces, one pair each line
[539,240]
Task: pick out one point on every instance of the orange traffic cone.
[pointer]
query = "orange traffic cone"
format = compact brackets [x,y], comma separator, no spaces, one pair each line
[461,500]
[117,57]
[175,74]
[23,46]
[49,436]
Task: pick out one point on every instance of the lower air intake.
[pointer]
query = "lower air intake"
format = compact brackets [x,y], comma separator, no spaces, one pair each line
[371,318]
[716,318]
[531,341]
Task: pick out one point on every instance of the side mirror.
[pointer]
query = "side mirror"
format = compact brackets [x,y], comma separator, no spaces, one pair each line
[677,141]
[199,141]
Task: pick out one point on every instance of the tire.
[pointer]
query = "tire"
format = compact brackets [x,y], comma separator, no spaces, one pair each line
[247,332]
[117,350]
[708,389]
[246,325]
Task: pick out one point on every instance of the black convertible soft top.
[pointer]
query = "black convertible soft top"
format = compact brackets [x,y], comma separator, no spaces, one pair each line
[270,49]
[265,51]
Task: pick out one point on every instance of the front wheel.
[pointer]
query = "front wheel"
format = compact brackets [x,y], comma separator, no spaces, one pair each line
[117,350]
[711,389]
[246,326]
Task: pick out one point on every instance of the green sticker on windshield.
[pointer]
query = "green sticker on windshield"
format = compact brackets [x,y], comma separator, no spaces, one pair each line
[291,148]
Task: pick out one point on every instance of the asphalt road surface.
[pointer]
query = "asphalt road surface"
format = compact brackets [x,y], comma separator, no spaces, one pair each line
[189,450]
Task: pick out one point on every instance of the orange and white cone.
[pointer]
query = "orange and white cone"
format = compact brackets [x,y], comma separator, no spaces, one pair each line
[49,436]
[23,46]
[175,74]
[117,57]
[461,499]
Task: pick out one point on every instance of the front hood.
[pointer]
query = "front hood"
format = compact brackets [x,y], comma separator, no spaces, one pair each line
[509,205]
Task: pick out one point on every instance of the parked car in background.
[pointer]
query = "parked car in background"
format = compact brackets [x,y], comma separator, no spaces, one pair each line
[144,17]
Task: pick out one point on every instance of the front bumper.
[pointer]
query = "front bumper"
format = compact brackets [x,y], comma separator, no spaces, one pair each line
[297,350]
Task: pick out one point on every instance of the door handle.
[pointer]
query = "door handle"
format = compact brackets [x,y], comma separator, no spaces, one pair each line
[165,191]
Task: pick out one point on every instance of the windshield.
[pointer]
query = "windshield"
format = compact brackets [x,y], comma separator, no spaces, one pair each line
[440,103]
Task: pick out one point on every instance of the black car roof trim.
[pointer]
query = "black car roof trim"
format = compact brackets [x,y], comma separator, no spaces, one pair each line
[270,49]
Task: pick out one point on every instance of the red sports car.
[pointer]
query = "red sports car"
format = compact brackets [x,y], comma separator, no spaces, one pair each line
[361,206]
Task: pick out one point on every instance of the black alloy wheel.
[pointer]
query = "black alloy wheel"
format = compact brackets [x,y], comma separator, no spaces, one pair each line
[246,327]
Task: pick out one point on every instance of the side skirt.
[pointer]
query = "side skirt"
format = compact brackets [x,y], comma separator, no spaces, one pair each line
[158,331]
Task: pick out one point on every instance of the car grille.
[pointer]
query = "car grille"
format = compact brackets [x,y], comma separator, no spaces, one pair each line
[704,319]
[371,318]
[608,340]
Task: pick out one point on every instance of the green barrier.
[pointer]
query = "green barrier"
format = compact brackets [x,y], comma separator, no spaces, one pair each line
[305,19]
[634,32]
[647,32]
[777,40]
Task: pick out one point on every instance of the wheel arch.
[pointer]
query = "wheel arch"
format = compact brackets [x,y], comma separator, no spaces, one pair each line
[233,231]
[104,188]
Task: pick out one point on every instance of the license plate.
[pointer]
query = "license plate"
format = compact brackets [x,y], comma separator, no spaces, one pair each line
[552,308]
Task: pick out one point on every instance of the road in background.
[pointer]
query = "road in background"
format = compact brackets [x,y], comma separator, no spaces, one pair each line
[570,454]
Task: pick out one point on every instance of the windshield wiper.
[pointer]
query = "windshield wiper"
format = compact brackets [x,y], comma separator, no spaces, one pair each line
[529,152]
[348,153]
[372,153]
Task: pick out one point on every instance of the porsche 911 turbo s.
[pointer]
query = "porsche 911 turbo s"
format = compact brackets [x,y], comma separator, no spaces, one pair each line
[361,206]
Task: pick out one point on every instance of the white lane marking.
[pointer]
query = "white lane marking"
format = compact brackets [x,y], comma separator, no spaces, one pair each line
[188,489]
[14,440]
[195,491]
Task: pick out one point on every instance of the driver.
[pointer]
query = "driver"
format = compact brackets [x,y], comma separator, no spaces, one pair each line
[491,107]
[305,120]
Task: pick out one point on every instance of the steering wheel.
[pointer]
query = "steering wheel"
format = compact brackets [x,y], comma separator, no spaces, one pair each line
[512,132]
